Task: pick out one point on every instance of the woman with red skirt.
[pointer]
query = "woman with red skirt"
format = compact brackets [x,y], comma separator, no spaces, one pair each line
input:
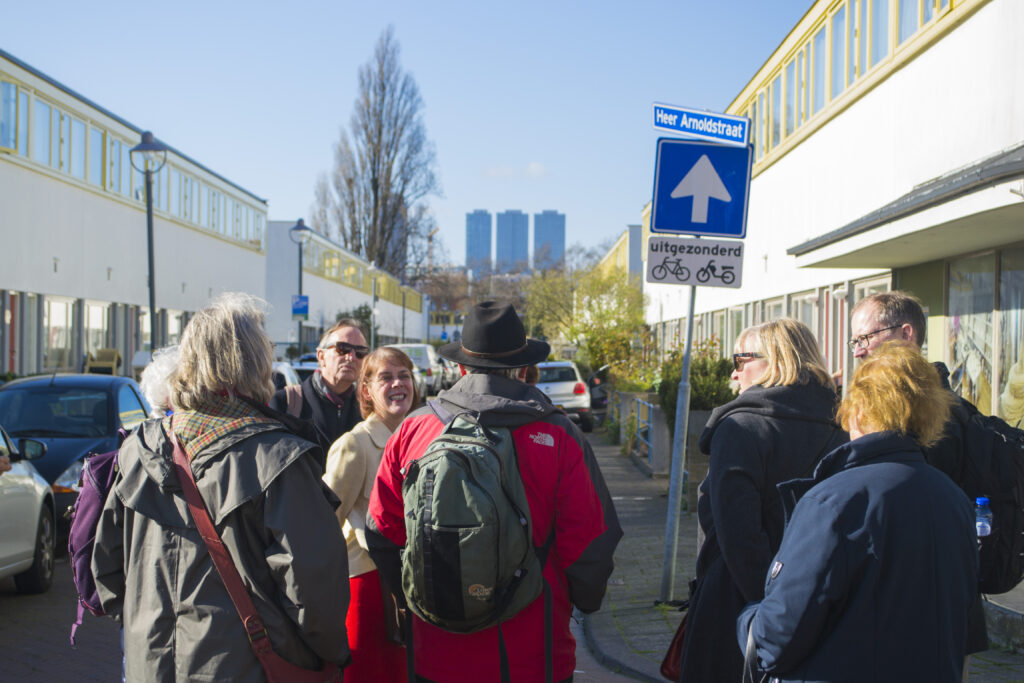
[386,392]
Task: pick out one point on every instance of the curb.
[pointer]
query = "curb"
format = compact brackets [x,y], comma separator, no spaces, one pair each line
[1005,627]
[609,662]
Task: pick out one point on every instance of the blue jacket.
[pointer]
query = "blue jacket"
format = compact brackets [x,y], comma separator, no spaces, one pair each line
[876,571]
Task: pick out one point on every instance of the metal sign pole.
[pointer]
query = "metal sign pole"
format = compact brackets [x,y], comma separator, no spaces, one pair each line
[675,490]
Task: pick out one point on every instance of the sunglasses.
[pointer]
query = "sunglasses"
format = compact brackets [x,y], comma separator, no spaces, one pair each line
[738,359]
[344,348]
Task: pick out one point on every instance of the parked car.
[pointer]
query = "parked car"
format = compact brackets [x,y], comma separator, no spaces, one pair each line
[284,374]
[305,366]
[425,357]
[449,372]
[72,415]
[562,382]
[27,518]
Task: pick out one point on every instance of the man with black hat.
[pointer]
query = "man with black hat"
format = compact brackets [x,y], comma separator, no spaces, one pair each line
[566,493]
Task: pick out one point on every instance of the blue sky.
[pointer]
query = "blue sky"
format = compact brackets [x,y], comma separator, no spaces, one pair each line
[530,105]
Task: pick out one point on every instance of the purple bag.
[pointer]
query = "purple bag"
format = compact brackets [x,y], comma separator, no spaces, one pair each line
[97,479]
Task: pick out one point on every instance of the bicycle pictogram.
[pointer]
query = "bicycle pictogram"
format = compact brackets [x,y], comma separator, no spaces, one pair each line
[727,276]
[673,266]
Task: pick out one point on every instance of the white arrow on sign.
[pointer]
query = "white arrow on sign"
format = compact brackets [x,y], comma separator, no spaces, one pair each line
[701,183]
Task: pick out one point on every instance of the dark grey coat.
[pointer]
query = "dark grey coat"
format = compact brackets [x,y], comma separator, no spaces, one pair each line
[276,518]
[763,437]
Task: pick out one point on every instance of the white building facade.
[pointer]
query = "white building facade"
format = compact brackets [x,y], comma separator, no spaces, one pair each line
[73,240]
[889,153]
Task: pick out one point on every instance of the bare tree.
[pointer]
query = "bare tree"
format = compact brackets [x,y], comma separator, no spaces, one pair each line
[384,168]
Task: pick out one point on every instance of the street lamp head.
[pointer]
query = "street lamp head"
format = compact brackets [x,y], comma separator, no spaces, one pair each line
[148,155]
[299,233]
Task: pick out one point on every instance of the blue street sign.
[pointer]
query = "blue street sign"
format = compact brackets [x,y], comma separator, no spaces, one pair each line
[706,125]
[700,188]
[444,336]
[300,307]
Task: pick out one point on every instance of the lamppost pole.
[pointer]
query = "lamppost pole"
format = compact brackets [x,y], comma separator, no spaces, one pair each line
[300,234]
[152,266]
[373,312]
[153,155]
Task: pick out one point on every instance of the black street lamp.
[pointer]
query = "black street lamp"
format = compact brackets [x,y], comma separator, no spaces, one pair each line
[300,234]
[148,157]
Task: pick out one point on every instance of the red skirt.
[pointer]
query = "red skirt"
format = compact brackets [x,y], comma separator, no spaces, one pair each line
[374,658]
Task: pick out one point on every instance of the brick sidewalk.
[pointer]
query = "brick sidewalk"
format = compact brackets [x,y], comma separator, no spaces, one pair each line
[630,633]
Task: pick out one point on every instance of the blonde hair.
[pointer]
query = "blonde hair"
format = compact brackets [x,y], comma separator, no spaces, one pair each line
[790,351]
[224,349]
[897,389]
[371,364]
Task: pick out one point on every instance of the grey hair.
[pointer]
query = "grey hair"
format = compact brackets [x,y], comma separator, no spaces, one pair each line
[156,380]
[224,349]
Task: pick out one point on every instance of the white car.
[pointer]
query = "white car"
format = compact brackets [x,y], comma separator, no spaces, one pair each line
[284,374]
[563,384]
[28,525]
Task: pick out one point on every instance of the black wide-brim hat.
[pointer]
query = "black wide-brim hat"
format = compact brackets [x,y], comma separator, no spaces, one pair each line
[493,336]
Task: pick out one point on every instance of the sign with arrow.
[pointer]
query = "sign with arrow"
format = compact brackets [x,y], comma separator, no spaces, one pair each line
[701,188]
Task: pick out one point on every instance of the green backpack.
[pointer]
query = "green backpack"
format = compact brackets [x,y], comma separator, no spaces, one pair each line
[469,561]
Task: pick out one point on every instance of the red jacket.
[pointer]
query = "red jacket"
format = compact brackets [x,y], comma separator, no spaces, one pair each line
[564,488]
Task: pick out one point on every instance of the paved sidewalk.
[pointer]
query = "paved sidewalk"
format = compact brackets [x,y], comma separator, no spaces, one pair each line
[630,634]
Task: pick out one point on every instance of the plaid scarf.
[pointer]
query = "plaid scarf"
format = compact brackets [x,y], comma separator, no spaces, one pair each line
[221,415]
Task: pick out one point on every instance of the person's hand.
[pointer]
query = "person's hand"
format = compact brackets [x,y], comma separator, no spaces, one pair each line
[5,464]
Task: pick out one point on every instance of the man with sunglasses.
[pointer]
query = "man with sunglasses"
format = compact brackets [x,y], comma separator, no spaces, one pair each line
[327,398]
[889,316]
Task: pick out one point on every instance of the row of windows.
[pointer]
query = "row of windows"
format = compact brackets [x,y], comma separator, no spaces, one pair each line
[44,133]
[332,264]
[850,40]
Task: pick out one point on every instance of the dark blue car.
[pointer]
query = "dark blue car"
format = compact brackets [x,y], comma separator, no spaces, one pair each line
[74,415]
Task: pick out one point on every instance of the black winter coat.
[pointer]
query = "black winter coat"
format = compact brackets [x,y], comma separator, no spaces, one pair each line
[875,574]
[763,437]
[330,420]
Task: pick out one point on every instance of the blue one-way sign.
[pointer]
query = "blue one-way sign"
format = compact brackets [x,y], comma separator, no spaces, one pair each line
[700,188]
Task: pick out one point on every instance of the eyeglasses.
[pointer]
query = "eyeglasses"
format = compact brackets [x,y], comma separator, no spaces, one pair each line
[738,359]
[863,340]
[344,348]
[386,378]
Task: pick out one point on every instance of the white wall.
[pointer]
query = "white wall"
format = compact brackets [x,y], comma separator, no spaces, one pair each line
[99,242]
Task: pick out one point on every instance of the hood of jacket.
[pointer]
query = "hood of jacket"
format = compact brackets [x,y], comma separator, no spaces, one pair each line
[228,473]
[502,402]
[802,402]
[875,447]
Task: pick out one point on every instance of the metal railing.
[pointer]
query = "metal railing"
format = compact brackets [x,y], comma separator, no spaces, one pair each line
[644,419]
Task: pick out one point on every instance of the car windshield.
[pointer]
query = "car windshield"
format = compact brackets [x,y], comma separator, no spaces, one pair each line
[55,411]
[557,374]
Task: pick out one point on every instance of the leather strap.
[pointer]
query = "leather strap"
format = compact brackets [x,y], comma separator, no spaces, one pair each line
[254,628]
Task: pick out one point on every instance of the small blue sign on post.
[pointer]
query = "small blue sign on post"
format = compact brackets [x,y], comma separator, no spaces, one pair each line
[300,307]
[701,188]
[707,125]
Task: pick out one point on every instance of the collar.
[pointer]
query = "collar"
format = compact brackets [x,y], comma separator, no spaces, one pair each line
[378,431]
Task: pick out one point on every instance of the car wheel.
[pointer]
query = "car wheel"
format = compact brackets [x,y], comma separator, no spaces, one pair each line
[587,423]
[39,577]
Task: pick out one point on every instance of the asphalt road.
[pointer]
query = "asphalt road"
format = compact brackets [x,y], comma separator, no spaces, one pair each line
[34,645]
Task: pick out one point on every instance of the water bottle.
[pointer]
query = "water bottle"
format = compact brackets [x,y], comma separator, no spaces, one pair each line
[982,516]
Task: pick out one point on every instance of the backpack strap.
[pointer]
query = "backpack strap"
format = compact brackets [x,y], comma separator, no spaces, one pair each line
[293,392]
